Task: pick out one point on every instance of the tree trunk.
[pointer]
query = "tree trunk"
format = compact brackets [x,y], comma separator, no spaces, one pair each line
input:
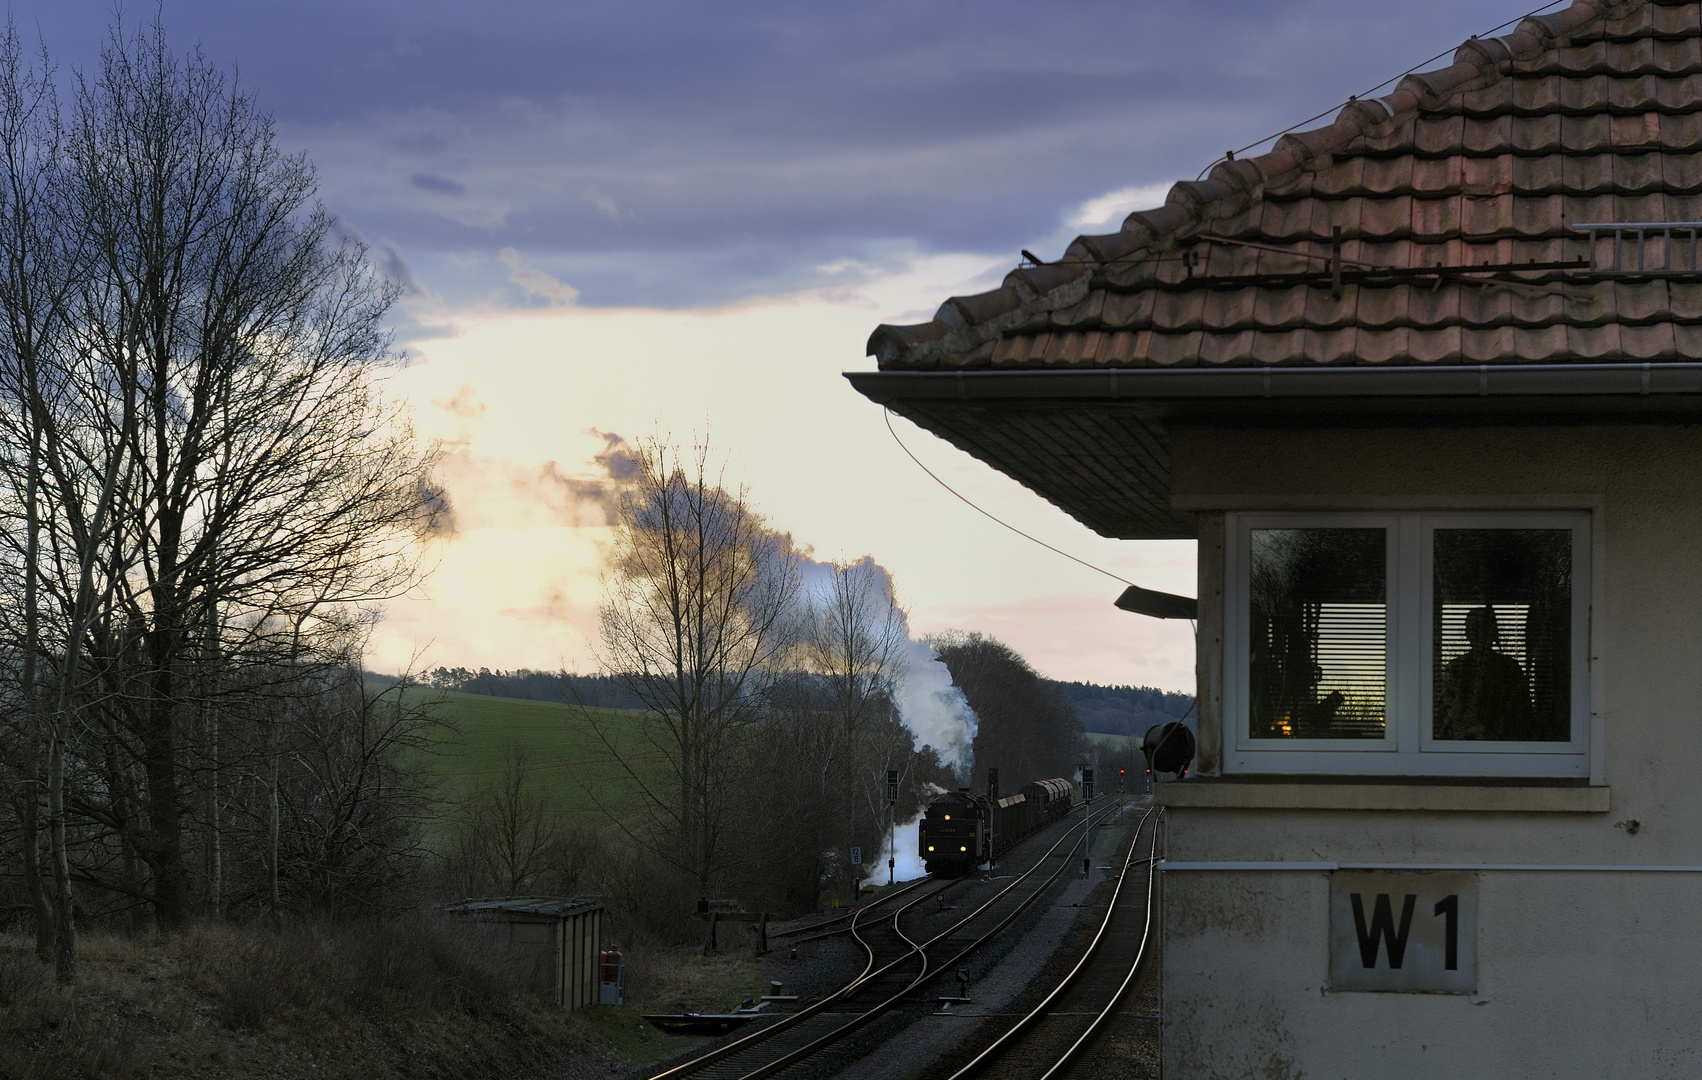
[165,829]
[215,825]
[29,841]
[273,914]
[30,810]
[121,804]
[64,925]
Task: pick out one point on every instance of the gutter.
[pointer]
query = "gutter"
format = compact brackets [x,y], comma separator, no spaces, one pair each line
[1174,384]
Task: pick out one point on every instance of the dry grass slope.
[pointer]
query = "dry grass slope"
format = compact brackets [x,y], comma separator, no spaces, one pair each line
[414,1000]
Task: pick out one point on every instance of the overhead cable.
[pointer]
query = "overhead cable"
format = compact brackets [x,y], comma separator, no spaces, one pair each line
[1395,78]
[1099,570]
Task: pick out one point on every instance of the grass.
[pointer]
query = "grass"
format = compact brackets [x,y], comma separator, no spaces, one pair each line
[571,765]
[1113,742]
[369,1001]
[678,980]
[634,1039]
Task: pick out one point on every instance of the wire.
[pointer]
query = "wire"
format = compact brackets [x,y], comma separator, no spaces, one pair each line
[1379,86]
[887,413]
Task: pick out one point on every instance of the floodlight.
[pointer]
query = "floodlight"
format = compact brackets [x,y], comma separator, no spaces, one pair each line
[1159,605]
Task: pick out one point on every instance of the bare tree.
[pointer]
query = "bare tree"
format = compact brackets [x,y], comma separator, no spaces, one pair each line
[53,571]
[202,479]
[697,618]
[855,637]
[511,837]
[350,792]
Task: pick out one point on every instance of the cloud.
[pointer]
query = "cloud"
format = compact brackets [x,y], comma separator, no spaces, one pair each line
[680,155]
[576,500]
[524,545]
[440,185]
[465,403]
[535,283]
[498,493]
[616,457]
[491,492]
[1105,213]
[435,519]
[605,205]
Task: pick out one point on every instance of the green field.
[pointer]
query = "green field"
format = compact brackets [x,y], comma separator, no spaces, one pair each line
[570,762]
[1114,742]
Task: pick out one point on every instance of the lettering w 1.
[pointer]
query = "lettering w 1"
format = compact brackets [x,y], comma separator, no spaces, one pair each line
[1382,935]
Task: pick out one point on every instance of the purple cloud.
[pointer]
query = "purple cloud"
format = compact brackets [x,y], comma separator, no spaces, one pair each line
[677,153]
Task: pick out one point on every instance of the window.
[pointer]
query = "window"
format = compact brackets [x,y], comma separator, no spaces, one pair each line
[1446,644]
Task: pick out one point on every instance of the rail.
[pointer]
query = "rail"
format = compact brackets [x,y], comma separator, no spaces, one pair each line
[852,914]
[926,975]
[1005,1042]
[870,972]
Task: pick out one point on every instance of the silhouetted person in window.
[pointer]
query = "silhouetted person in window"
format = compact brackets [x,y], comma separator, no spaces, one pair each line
[1484,694]
[1308,715]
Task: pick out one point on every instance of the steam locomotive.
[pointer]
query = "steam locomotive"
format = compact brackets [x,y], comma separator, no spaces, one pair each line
[960,831]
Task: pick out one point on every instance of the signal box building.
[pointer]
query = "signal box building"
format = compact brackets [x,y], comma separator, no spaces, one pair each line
[1424,384]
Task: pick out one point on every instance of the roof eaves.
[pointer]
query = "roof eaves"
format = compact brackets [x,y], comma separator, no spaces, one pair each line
[964,327]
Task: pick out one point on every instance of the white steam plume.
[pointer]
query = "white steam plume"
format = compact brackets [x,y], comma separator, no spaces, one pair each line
[907,864]
[929,705]
[934,709]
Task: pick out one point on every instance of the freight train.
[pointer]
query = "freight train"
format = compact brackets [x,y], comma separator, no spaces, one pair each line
[960,831]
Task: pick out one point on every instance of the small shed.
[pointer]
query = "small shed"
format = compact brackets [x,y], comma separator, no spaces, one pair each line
[556,941]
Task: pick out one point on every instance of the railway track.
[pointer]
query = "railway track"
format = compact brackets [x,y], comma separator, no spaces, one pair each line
[1047,1041]
[900,962]
[819,928]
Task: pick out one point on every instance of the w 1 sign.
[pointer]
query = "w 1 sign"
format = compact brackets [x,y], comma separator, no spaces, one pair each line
[1403,932]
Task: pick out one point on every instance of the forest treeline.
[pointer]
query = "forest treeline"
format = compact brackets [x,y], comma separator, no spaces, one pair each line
[563,687]
[1111,710]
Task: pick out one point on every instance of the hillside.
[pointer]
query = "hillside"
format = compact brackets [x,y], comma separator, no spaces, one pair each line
[571,764]
[1124,710]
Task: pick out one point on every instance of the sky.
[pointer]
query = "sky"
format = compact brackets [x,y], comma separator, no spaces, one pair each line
[682,221]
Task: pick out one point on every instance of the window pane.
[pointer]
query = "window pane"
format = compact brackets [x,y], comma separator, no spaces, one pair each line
[1502,630]
[1318,624]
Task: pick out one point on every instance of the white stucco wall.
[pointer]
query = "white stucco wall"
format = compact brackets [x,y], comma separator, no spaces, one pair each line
[1579,974]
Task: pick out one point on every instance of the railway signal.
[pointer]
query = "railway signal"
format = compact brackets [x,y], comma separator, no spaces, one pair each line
[891,826]
[1087,819]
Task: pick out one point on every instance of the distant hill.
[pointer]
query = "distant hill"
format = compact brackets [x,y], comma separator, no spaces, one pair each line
[1125,710]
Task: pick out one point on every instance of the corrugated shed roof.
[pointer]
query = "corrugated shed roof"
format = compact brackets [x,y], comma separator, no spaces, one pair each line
[553,907]
[1592,114]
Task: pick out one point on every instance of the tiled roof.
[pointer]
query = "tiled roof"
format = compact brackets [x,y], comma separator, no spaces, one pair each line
[1589,115]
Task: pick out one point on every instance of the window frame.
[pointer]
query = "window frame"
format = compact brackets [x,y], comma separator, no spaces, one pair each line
[1407,748]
